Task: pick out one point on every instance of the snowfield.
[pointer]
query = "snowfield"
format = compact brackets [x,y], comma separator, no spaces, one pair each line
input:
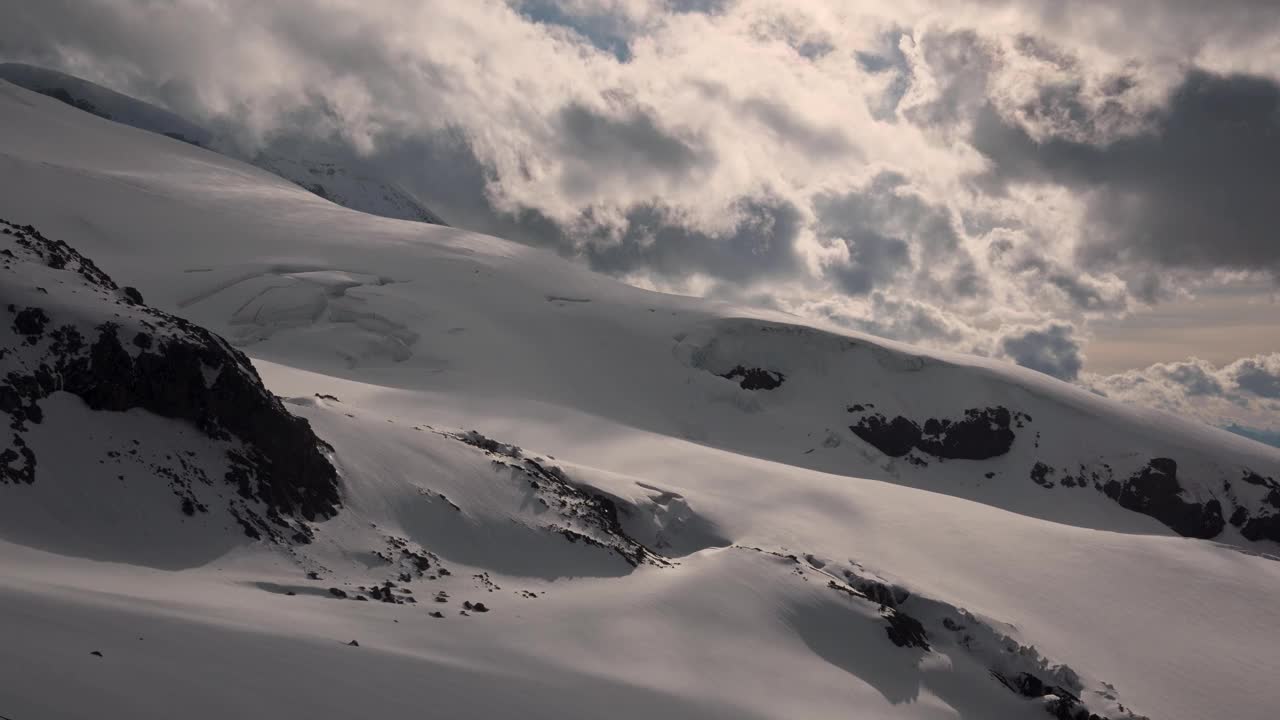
[561,496]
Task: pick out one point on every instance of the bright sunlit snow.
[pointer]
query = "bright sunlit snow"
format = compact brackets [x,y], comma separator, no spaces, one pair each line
[668,507]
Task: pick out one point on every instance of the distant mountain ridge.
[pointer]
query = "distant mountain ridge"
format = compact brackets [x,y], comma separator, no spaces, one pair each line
[1262,436]
[343,183]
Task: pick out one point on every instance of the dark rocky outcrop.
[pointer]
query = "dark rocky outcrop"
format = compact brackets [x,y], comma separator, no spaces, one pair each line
[904,630]
[1266,527]
[167,366]
[755,378]
[1061,703]
[894,438]
[1154,490]
[982,433]
[1040,474]
[581,513]
[1264,522]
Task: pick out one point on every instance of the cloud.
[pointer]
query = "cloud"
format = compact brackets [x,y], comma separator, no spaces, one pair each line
[876,230]
[596,144]
[1258,375]
[654,241]
[981,175]
[1244,391]
[1195,190]
[782,122]
[1051,350]
[1196,377]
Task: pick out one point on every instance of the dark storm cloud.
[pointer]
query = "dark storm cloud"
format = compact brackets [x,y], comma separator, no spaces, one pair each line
[654,239]
[1243,15]
[1258,379]
[1196,378]
[1081,293]
[879,225]
[1051,350]
[873,259]
[1197,191]
[1037,270]
[599,144]
[814,141]
[761,245]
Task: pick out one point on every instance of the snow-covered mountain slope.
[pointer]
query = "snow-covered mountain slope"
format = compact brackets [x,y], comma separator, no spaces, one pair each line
[104,102]
[671,506]
[346,182]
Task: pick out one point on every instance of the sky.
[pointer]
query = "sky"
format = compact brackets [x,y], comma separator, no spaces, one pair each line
[1084,187]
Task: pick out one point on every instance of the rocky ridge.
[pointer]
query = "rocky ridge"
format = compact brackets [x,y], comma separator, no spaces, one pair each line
[72,329]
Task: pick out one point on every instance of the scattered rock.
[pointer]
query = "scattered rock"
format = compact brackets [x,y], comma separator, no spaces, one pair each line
[1040,475]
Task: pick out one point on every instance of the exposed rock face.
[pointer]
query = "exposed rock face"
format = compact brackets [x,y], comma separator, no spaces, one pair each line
[1060,702]
[576,512]
[1040,474]
[99,342]
[982,433]
[904,630]
[915,621]
[894,438]
[1154,490]
[1265,524]
[755,378]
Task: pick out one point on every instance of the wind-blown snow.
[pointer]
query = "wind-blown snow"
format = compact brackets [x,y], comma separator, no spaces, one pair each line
[648,536]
